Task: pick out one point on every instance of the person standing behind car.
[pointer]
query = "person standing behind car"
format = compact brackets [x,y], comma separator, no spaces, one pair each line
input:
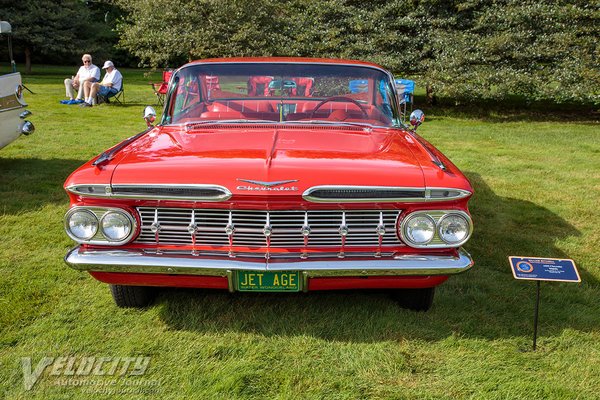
[110,85]
[88,72]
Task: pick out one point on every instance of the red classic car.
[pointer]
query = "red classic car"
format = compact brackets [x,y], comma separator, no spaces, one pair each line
[272,174]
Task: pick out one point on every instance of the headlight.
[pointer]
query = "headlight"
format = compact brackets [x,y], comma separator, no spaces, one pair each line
[453,228]
[82,224]
[116,226]
[436,229]
[419,229]
[107,226]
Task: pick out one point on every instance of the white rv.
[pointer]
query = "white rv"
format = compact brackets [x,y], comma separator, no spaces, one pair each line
[12,104]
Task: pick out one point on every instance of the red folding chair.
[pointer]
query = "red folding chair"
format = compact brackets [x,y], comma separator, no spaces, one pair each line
[304,86]
[255,83]
[160,88]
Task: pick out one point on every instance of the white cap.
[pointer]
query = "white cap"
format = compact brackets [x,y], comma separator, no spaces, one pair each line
[108,64]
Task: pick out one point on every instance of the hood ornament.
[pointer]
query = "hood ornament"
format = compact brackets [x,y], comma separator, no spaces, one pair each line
[267,184]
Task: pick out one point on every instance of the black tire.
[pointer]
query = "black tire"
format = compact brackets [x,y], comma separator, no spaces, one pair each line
[132,296]
[415,299]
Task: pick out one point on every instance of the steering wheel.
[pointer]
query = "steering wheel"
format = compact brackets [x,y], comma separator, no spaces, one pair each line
[340,99]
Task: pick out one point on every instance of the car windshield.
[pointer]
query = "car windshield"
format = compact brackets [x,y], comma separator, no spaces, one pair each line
[281,93]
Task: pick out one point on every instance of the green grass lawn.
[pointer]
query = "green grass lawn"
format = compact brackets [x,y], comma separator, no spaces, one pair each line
[537,182]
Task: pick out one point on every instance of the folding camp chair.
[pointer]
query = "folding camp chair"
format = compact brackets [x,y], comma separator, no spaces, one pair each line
[405,89]
[118,97]
[160,88]
[359,86]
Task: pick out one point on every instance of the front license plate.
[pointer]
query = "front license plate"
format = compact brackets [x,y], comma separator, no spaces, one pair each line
[268,281]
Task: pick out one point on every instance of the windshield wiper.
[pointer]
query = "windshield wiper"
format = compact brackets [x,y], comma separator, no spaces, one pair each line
[321,122]
[231,121]
[268,121]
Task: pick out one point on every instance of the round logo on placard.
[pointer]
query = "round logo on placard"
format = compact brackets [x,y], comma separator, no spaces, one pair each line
[525,267]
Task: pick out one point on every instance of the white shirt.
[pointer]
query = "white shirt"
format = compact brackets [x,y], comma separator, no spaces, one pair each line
[85,73]
[113,77]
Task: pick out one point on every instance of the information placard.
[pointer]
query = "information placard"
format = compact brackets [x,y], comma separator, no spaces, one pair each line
[544,269]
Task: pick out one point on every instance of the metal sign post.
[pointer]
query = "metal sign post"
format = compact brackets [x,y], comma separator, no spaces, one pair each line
[542,269]
[536,315]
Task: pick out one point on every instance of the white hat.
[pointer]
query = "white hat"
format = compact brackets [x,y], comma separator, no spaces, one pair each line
[108,64]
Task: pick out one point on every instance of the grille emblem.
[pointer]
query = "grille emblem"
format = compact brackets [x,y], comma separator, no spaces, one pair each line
[268,184]
[275,186]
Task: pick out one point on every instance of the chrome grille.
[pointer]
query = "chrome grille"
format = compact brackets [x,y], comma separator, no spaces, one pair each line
[174,226]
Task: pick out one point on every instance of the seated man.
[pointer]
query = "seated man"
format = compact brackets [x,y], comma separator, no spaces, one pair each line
[88,72]
[110,85]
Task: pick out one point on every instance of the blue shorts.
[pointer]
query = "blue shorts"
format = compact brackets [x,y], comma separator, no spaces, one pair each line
[106,91]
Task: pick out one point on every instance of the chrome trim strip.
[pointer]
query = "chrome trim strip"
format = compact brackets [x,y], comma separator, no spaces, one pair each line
[462,193]
[308,194]
[225,193]
[113,191]
[434,159]
[11,102]
[442,245]
[134,261]
[11,109]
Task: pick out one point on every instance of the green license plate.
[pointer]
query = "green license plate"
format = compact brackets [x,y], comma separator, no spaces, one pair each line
[268,281]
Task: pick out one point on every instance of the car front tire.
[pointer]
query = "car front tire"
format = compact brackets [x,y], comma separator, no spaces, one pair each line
[132,296]
[415,299]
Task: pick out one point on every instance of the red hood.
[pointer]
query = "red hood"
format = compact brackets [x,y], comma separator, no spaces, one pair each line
[312,156]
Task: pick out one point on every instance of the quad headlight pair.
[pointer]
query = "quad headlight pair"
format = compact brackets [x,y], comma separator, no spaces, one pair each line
[99,225]
[433,228]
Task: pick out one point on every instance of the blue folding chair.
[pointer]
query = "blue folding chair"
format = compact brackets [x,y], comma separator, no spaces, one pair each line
[405,89]
[359,86]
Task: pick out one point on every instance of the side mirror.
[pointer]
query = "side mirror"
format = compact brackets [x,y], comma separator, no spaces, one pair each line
[149,115]
[416,118]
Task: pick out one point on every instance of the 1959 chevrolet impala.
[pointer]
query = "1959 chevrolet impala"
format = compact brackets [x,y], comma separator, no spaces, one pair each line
[272,174]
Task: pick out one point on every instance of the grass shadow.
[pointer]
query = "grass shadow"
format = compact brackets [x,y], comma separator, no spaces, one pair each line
[30,183]
[506,114]
[486,302]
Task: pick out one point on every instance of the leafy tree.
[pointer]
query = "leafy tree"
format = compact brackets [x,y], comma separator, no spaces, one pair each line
[161,32]
[462,49]
[538,50]
[47,26]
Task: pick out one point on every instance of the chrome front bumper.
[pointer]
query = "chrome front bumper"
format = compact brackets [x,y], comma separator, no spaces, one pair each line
[138,261]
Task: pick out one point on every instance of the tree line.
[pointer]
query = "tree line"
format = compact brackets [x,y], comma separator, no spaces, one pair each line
[542,50]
